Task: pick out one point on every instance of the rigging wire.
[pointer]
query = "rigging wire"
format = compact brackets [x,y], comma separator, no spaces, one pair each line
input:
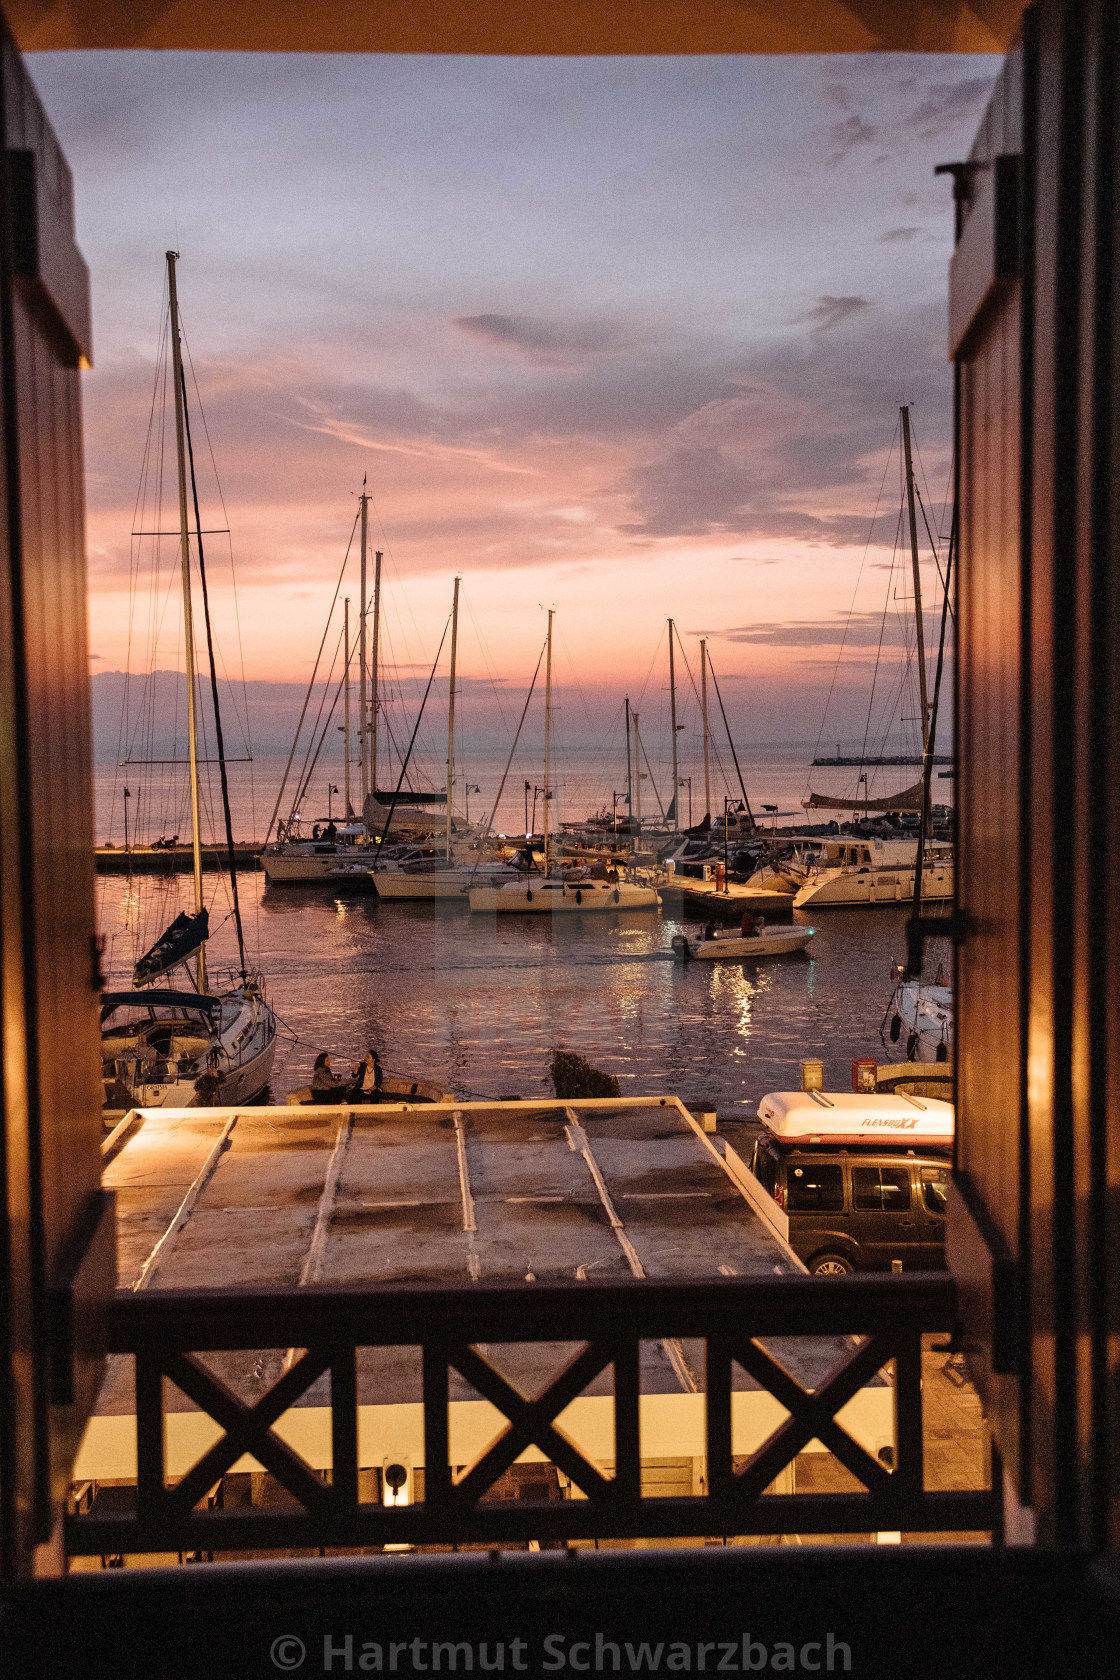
[219,738]
[311,684]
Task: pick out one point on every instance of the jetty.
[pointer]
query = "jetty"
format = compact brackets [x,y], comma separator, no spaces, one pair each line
[172,860]
[704,898]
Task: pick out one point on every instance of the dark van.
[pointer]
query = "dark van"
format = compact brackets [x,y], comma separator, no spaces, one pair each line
[860,1208]
[854,1182]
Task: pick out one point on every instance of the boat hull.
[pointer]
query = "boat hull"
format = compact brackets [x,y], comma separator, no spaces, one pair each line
[241,1061]
[282,867]
[775,944]
[873,886]
[392,884]
[554,898]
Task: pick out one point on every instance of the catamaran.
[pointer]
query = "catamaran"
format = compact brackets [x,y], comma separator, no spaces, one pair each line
[164,1047]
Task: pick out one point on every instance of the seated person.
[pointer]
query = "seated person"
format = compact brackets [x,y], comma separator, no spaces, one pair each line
[366,1081]
[325,1085]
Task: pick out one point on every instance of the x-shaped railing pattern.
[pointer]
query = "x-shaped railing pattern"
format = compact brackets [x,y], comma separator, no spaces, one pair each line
[615,1321]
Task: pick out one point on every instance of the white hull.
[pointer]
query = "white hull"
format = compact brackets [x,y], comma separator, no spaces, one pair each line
[873,886]
[925,1014]
[429,886]
[773,943]
[347,863]
[240,1054]
[553,897]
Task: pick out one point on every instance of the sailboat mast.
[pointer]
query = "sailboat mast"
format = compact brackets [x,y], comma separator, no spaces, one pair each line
[346,709]
[451,712]
[638,779]
[673,720]
[374,675]
[629,780]
[547,739]
[188,614]
[905,412]
[363,709]
[704,716]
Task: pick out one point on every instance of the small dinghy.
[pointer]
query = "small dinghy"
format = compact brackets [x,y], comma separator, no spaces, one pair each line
[733,946]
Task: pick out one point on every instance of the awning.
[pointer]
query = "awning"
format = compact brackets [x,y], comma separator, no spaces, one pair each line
[910,799]
[202,1001]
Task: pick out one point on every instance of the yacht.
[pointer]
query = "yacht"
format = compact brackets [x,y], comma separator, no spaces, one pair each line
[847,871]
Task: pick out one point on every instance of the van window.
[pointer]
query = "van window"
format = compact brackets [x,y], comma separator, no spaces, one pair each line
[935,1188]
[811,1187]
[881,1189]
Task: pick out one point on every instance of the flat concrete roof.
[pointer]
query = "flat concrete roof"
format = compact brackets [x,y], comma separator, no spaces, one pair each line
[447,1194]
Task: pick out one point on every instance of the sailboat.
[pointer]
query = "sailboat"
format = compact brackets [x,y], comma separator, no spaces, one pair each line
[427,878]
[854,870]
[166,1047]
[595,888]
[337,852]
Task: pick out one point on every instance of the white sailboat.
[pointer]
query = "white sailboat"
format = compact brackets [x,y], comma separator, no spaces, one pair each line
[576,891]
[428,879]
[919,1018]
[178,1048]
[853,870]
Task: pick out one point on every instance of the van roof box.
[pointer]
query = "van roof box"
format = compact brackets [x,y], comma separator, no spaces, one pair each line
[853,1117]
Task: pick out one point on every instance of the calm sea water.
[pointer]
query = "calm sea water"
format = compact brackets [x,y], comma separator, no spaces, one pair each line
[773,774]
[479,1003]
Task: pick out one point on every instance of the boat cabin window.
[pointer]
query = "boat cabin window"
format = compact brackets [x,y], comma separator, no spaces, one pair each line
[813,1186]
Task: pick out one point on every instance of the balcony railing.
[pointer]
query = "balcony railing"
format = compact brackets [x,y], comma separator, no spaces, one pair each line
[886,1316]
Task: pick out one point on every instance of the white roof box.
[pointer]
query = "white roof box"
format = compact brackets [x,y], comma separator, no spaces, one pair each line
[852,1117]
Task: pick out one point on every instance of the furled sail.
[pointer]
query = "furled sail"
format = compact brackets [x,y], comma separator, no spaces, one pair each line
[175,945]
[910,799]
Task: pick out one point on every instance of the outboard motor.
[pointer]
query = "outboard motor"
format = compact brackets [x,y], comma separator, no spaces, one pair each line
[682,950]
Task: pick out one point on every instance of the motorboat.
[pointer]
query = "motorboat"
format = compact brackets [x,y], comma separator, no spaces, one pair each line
[733,946]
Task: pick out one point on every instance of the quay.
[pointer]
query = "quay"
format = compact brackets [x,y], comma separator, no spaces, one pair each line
[704,898]
[171,860]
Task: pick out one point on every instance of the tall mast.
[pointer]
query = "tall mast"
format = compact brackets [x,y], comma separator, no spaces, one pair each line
[363,708]
[629,780]
[638,773]
[917,577]
[704,716]
[188,614]
[547,739]
[451,711]
[346,708]
[673,721]
[374,656]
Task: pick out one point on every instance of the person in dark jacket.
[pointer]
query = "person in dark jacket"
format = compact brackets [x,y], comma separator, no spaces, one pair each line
[367,1079]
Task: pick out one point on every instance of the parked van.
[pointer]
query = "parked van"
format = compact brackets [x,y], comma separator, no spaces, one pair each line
[856,1182]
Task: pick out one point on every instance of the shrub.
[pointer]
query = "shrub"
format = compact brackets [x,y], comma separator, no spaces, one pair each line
[572,1076]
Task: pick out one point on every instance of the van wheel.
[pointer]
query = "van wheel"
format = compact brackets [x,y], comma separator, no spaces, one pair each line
[830,1265]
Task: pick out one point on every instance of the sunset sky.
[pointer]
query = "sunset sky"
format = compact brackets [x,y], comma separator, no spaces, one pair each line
[623,337]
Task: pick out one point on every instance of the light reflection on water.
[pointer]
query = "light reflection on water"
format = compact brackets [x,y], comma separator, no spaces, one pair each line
[479,1003]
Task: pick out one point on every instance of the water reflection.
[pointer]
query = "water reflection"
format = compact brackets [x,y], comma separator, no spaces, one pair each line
[479,1003]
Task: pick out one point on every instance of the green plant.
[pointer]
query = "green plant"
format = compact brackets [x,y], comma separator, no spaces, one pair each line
[572,1076]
